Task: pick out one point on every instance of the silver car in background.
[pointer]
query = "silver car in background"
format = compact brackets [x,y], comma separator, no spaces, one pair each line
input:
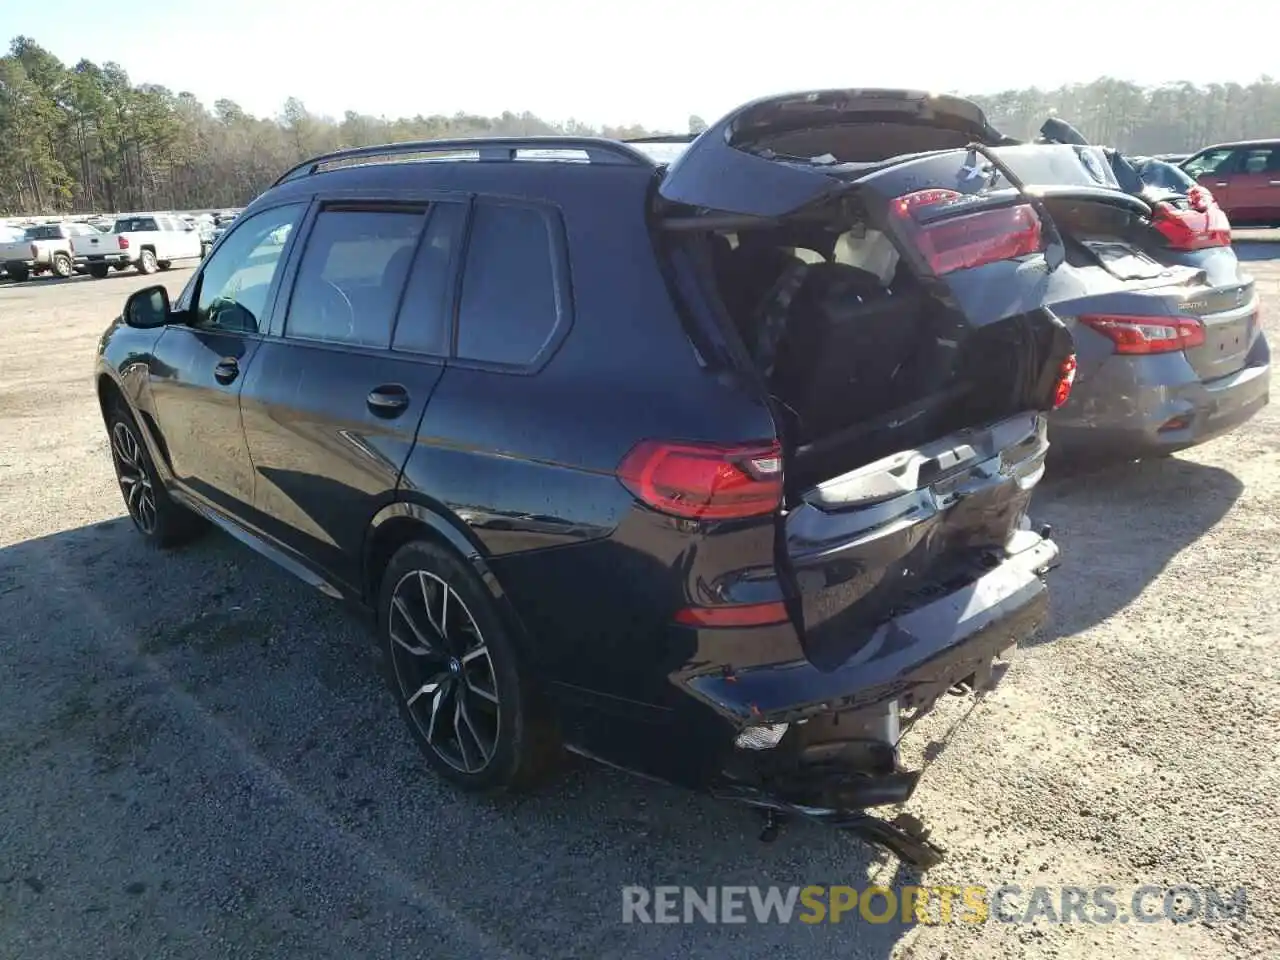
[1170,351]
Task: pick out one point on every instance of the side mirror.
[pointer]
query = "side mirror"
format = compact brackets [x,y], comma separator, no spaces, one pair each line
[147,308]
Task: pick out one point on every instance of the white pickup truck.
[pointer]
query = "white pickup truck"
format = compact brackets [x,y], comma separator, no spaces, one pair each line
[45,248]
[146,241]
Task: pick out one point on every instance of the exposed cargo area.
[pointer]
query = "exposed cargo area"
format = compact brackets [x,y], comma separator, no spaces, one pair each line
[861,354]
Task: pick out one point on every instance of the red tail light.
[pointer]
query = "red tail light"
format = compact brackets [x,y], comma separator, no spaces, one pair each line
[705,481]
[1066,380]
[1200,198]
[123,242]
[1144,335]
[1204,225]
[733,615]
[969,240]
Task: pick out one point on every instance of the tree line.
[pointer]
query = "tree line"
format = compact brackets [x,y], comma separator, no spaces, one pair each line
[86,138]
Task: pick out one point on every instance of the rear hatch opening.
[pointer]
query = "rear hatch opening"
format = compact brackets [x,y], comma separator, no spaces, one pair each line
[911,437]
[845,317]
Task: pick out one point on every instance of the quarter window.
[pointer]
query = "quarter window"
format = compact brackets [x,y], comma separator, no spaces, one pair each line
[510,305]
[351,275]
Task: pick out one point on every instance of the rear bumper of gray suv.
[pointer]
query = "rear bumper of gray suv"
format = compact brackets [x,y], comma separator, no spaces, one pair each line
[839,729]
[1156,404]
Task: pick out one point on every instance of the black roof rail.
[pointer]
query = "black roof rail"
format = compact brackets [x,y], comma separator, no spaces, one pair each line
[597,149]
[664,138]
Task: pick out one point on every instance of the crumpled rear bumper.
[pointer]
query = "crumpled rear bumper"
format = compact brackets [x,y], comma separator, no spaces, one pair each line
[839,751]
[938,643]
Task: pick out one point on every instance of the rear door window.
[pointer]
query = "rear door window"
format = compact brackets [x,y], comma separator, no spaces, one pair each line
[511,305]
[352,272]
[1261,160]
[135,224]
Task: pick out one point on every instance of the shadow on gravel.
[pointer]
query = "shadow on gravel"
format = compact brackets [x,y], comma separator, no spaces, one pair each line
[36,282]
[238,713]
[1118,526]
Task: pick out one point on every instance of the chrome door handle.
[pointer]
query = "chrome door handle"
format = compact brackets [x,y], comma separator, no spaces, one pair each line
[226,370]
[389,400]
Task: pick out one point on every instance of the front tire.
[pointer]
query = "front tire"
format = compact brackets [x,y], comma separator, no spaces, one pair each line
[160,519]
[453,668]
[147,262]
[62,266]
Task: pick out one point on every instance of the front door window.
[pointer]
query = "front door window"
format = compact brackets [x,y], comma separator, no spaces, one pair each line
[233,288]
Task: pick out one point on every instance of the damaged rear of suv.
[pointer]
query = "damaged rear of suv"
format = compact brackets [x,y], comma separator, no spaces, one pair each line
[844,256]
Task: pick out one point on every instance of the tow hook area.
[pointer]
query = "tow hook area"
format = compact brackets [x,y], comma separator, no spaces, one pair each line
[905,836]
[1046,532]
[833,768]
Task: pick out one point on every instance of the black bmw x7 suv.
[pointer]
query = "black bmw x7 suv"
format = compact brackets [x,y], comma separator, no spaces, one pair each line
[714,469]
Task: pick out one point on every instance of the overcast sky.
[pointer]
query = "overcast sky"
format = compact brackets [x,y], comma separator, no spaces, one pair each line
[652,62]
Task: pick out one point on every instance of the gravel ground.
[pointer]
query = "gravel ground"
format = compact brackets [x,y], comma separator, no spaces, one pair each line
[196,760]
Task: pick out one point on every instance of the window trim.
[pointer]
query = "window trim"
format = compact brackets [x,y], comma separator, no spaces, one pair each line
[561,276]
[190,295]
[345,203]
[452,293]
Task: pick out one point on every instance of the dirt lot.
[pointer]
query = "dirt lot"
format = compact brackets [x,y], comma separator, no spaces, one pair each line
[196,760]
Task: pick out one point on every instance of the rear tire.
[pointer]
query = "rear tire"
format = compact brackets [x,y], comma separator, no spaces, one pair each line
[147,262]
[158,517]
[452,666]
[99,270]
[62,266]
